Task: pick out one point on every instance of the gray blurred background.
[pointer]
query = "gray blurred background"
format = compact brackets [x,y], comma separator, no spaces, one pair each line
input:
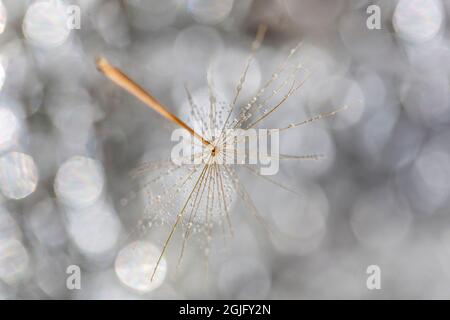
[69,138]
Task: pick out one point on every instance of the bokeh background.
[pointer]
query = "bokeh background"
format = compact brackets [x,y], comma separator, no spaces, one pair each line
[69,138]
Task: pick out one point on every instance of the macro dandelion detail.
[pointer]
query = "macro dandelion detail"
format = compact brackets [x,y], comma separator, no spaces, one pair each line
[291,149]
[198,197]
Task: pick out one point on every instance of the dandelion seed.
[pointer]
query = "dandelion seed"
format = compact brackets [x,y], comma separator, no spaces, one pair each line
[202,194]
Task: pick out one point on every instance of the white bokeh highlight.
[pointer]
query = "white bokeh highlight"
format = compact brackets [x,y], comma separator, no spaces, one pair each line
[135,264]
[418,21]
[3,17]
[18,175]
[45,24]
[94,230]
[9,128]
[13,261]
[79,181]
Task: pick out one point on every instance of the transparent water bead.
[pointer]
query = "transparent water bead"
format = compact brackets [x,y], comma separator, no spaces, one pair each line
[135,264]
[18,175]
[79,181]
[45,24]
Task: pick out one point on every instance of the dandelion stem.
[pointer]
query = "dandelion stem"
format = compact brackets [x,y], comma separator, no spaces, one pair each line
[119,78]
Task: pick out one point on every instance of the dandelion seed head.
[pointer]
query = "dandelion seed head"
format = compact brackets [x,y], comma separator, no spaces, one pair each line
[164,191]
[197,196]
[226,74]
